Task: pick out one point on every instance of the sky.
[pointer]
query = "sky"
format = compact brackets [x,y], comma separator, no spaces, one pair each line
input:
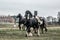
[44,7]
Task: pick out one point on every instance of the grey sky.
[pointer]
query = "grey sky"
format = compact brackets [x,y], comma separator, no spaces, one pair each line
[44,7]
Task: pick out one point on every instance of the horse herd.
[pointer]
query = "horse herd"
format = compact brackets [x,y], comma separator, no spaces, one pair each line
[32,23]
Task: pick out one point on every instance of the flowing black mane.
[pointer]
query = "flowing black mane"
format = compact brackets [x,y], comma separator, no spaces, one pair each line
[28,12]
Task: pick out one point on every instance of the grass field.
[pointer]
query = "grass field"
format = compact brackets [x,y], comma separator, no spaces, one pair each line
[14,34]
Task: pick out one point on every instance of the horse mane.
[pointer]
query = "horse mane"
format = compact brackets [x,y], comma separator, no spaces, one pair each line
[28,12]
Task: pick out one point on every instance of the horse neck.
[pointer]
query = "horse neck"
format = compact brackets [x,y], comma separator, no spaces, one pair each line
[20,18]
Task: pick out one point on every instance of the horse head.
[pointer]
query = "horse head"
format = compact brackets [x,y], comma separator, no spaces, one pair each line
[28,14]
[19,16]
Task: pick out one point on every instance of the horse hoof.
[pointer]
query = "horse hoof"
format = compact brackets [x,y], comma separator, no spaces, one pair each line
[25,35]
[46,30]
[38,35]
[42,33]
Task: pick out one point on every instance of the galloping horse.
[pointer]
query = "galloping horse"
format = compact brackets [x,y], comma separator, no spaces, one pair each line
[22,20]
[31,22]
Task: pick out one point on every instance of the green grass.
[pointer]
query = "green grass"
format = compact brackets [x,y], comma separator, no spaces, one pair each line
[15,34]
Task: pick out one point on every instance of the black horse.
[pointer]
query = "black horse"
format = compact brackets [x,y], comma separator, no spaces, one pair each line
[22,20]
[31,22]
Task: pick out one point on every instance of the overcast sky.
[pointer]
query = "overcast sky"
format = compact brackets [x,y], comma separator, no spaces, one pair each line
[44,7]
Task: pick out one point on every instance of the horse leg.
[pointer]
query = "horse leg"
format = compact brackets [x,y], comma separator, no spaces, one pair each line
[38,32]
[28,32]
[31,29]
[19,27]
[45,29]
[35,30]
[41,30]
[25,28]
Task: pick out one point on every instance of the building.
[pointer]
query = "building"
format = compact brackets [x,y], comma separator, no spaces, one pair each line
[52,20]
[49,19]
[6,19]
